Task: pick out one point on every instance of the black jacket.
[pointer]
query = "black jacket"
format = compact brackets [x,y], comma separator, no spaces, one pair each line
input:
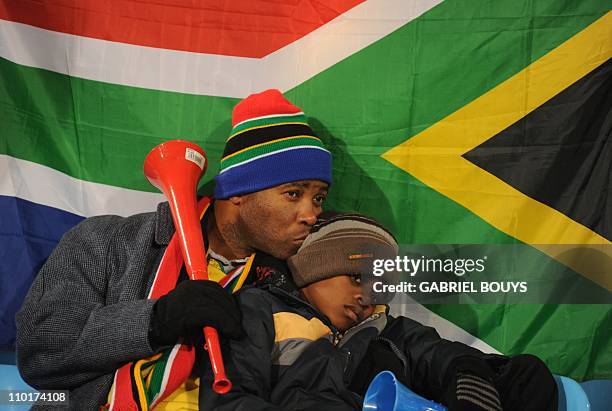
[294,359]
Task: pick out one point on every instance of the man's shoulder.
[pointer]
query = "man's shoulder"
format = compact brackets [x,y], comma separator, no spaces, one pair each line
[95,227]
[103,225]
[106,226]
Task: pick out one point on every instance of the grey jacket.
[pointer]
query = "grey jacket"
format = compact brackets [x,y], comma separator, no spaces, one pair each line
[86,313]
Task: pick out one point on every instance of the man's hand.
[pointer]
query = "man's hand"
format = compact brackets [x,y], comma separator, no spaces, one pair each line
[184,311]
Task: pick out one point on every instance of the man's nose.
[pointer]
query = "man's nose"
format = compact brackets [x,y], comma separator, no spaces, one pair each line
[308,214]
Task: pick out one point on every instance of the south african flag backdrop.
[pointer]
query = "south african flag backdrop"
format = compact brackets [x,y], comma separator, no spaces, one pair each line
[452,122]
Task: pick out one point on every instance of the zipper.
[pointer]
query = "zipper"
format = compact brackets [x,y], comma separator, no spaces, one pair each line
[395,350]
[358,327]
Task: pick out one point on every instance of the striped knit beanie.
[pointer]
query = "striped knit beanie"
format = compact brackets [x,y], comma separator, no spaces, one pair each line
[270,144]
[343,244]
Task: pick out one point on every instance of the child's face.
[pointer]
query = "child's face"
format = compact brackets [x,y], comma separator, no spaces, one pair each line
[341,299]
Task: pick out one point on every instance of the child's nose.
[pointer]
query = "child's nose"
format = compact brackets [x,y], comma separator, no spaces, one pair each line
[363,300]
[368,310]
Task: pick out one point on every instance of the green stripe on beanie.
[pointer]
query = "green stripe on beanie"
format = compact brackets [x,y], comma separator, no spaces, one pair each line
[268,148]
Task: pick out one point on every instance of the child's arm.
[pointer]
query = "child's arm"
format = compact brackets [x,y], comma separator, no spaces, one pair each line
[436,368]
[315,381]
[455,374]
[247,361]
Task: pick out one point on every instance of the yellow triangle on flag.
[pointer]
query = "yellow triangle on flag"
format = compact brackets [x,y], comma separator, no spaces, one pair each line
[434,156]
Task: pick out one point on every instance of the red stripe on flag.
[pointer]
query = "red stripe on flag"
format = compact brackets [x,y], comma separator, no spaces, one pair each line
[246,28]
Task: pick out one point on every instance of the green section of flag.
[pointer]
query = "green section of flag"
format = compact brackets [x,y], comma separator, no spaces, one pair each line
[93,130]
[102,132]
[411,80]
[361,107]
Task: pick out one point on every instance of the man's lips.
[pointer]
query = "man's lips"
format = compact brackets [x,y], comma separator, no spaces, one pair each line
[301,239]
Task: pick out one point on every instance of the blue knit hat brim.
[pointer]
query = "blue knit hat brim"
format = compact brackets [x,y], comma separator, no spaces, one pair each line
[303,163]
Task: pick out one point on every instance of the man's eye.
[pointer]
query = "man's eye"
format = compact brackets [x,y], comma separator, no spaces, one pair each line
[356,279]
[292,194]
[319,200]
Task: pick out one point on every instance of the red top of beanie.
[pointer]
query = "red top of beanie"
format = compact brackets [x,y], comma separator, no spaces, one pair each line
[267,103]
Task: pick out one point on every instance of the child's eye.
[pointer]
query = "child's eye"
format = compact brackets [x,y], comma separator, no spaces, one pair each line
[356,279]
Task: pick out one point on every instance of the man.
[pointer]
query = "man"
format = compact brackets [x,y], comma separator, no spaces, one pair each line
[87,322]
[316,343]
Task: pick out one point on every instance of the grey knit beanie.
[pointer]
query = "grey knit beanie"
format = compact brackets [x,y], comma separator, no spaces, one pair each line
[344,244]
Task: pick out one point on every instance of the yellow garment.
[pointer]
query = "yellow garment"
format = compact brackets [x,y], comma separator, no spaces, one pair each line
[289,326]
[215,272]
[185,398]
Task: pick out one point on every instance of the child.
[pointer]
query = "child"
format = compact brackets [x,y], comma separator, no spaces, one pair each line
[315,341]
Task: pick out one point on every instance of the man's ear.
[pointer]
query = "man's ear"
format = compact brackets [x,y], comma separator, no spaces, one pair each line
[236,200]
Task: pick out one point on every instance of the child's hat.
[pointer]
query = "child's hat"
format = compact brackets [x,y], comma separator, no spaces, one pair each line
[342,244]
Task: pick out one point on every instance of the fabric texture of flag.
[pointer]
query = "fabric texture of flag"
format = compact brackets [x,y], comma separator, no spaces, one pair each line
[459,122]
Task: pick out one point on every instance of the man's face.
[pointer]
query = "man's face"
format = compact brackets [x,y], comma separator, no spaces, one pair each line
[340,299]
[278,219]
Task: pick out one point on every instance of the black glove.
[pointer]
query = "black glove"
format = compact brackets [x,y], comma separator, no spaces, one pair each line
[184,311]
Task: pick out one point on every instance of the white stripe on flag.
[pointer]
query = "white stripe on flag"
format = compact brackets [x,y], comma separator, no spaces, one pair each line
[208,74]
[166,376]
[44,185]
[404,305]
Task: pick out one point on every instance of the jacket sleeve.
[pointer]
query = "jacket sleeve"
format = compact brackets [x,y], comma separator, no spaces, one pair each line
[431,361]
[316,381]
[248,362]
[66,333]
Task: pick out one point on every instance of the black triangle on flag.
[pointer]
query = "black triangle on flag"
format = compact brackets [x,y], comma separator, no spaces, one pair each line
[561,153]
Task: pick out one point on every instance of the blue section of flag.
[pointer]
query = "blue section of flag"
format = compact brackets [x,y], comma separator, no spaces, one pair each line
[28,234]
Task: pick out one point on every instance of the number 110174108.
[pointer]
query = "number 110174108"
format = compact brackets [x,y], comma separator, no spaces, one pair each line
[16,397]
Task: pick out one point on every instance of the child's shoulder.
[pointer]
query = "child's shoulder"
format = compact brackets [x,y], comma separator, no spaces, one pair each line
[259,298]
[252,293]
